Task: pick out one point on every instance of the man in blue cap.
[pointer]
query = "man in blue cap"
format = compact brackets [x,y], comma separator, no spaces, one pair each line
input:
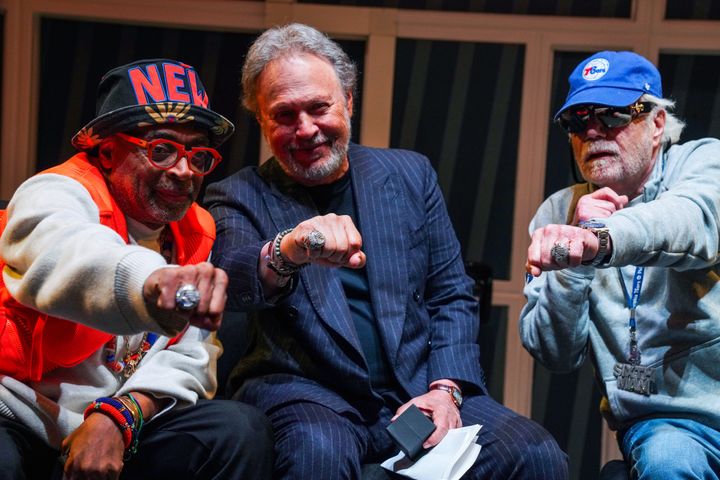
[626,268]
[107,299]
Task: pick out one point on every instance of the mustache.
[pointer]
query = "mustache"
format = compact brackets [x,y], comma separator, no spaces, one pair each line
[316,141]
[177,188]
[600,146]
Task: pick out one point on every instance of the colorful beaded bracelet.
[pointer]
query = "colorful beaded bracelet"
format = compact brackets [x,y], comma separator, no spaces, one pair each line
[115,415]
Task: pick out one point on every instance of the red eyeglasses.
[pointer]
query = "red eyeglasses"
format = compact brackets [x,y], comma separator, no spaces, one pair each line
[165,154]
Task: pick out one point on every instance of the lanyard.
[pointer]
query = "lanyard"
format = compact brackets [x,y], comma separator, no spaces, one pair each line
[632,303]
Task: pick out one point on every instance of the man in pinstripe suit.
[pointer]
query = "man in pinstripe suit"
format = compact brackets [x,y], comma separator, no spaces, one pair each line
[339,352]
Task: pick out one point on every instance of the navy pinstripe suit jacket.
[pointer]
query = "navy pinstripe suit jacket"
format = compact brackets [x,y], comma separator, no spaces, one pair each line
[305,345]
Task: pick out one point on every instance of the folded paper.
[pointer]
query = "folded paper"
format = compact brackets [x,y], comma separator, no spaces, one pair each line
[448,460]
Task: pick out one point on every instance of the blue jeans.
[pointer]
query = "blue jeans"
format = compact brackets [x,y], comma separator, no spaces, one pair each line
[673,449]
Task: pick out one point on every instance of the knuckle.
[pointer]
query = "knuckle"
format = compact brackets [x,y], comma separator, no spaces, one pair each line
[221,276]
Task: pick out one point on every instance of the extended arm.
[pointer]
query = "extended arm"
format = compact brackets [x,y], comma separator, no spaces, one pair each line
[62,261]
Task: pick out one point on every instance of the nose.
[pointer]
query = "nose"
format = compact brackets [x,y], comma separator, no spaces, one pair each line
[181,169]
[306,127]
[595,128]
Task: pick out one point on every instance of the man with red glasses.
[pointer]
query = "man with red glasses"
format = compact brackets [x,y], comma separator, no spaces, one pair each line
[626,268]
[107,301]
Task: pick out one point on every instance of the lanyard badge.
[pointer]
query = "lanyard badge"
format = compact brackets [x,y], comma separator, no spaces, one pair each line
[631,376]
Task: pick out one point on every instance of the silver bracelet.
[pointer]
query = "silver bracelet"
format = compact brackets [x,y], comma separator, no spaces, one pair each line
[279,264]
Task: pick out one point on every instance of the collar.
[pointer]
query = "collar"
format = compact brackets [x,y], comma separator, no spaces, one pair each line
[143,235]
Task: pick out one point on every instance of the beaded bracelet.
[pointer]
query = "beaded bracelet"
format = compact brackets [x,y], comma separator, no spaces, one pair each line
[115,415]
[279,264]
[120,407]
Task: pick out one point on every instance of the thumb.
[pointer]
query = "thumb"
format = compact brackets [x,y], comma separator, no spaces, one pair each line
[357,260]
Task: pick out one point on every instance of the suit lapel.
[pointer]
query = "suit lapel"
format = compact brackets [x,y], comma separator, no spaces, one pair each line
[379,201]
[288,206]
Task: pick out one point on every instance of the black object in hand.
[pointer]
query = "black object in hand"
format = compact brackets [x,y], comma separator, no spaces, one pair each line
[410,430]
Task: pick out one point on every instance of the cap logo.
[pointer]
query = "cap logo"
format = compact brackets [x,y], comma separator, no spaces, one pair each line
[176,83]
[595,69]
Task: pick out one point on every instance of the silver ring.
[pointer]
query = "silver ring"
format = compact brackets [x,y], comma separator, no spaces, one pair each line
[187,297]
[314,240]
[560,252]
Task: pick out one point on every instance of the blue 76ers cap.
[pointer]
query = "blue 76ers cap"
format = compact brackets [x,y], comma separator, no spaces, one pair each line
[613,79]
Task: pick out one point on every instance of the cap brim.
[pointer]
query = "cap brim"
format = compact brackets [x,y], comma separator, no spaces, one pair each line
[218,127]
[607,96]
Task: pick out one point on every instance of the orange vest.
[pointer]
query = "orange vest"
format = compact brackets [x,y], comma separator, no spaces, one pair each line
[33,343]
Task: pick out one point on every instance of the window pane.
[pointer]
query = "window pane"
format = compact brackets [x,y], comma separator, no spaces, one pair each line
[580,8]
[692,10]
[458,104]
[693,81]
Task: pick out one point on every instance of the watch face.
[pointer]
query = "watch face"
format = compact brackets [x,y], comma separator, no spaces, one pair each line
[592,224]
[458,397]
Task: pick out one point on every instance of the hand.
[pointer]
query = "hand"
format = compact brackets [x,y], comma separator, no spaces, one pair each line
[160,287]
[582,245]
[600,204]
[341,248]
[442,411]
[95,450]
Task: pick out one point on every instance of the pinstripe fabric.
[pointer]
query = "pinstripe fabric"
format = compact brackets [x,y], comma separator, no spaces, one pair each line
[513,447]
[315,442]
[306,349]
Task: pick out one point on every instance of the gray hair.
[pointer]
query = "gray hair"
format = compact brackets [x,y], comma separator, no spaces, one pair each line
[288,40]
[673,125]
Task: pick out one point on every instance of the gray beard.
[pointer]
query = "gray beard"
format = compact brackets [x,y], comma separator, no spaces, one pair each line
[319,170]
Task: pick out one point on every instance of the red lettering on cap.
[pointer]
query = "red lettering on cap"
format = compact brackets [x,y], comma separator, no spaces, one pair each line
[199,97]
[149,84]
[175,81]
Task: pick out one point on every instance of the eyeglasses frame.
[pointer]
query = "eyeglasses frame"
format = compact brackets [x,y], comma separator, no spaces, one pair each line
[183,152]
[636,109]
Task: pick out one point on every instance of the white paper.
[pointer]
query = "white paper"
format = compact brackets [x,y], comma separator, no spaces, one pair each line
[448,460]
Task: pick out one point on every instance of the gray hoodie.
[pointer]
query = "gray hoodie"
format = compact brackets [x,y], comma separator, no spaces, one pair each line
[673,229]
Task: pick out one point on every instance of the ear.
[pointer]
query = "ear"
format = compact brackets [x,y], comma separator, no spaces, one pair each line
[659,124]
[349,103]
[105,153]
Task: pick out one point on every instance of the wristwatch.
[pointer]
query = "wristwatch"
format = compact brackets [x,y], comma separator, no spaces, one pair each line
[455,393]
[603,235]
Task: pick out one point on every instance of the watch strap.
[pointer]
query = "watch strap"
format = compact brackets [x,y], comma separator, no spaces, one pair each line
[454,393]
[603,235]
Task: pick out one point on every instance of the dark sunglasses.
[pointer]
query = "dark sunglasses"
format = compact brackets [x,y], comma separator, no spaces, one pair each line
[165,154]
[575,119]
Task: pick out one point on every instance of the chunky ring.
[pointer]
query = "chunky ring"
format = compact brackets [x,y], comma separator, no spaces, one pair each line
[187,297]
[314,240]
[560,252]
